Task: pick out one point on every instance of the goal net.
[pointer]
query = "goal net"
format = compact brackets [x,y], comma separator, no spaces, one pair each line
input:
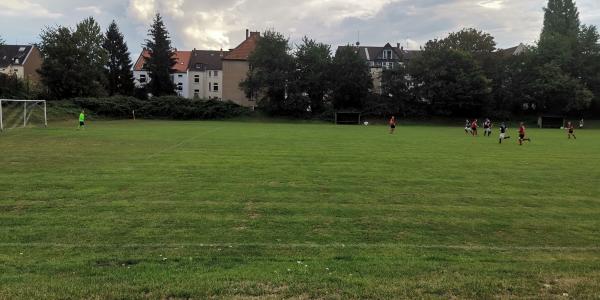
[22,113]
[347,118]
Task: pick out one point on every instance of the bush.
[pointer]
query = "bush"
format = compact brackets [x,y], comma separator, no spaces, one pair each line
[168,107]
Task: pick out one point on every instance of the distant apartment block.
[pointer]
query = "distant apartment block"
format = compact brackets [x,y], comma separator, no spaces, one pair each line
[235,69]
[383,58]
[196,73]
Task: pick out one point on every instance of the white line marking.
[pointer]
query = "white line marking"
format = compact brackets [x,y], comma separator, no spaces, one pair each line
[181,143]
[301,245]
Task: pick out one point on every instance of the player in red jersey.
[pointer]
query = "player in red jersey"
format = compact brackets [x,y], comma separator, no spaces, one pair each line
[522,134]
[392,124]
[474,127]
[571,130]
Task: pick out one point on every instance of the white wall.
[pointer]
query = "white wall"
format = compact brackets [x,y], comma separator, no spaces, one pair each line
[181,80]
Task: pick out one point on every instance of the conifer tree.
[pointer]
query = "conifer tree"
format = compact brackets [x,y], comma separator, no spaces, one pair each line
[161,61]
[118,68]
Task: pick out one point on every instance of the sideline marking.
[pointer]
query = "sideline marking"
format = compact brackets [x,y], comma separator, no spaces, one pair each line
[301,245]
[182,142]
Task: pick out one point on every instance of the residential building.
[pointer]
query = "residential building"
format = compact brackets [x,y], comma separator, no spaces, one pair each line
[179,74]
[235,69]
[384,58]
[205,74]
[514,50]
[21,60]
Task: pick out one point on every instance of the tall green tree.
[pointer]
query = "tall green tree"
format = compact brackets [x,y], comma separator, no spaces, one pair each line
[271,76]
[563,49]
[558,40]
[450,75]
[74,60]
[350,78]
[118,68]
[162,59]
[313,64]
[92,56]
[61,70]
[396,93]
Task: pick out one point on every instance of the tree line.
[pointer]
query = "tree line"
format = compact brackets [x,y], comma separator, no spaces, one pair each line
[462,74]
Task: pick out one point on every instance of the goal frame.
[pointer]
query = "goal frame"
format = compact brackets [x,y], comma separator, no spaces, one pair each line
[25,115]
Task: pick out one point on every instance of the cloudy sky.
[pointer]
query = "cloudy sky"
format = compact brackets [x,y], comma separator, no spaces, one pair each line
[212,24]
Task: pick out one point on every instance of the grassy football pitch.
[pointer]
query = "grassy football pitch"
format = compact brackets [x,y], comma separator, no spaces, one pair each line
[160,209]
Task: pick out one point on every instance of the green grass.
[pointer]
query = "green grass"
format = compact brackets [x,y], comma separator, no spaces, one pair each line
[159,209]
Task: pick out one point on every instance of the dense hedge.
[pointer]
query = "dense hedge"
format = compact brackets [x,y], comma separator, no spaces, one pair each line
[162,107]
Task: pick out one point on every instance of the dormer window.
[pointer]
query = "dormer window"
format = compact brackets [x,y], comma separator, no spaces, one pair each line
[22,49]
[387,54]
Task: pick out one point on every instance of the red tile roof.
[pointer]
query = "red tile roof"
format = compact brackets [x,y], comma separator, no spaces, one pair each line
[182,57]
[243,51]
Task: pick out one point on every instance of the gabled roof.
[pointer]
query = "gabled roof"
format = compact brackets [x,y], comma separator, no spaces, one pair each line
[513,50]
[201,60]
[243,51]
[182,58]
[371,53]
[14,55]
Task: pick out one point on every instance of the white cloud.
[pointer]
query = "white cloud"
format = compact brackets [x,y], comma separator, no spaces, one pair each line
[90,9]
[142,10]
[20,8]
[492,4]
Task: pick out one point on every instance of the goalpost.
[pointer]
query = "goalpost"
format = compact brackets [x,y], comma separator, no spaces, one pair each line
[29,107]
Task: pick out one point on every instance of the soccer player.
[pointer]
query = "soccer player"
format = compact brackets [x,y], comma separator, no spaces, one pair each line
[467,127]
[522,134]
[581,124]
[474,127]
[571,129]
[81,120]
[392,124]
[487,126]
[503,131]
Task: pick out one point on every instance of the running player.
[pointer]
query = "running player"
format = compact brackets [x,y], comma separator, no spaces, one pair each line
[467,127]
[522,134]
[571,130]
[474,127]
[392,124]
[487,128]
[503,132]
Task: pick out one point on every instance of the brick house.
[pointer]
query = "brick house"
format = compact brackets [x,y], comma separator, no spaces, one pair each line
[21,60]
[235,69]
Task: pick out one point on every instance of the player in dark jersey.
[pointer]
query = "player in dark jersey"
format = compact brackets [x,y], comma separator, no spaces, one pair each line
[571,130]
[522,134]
[503,132]
[487,128]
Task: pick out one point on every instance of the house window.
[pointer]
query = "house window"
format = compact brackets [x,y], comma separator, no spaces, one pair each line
[215,73]
[142,78]
[196,78]
[180,86]
[196,93]
[215,87]
[387,54]
[180,76]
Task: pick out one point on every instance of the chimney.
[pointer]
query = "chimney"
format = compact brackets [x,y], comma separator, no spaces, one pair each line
[247,33]
[398,45]
[194,51]
[221,54]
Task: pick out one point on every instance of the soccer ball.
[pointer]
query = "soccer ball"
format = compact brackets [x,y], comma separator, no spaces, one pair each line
[366,123]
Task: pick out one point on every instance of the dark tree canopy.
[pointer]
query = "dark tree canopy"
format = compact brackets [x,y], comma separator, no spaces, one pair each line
[74,61]
[118,68]
[351,79]
[161,61]
[313,63]
[271,76]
